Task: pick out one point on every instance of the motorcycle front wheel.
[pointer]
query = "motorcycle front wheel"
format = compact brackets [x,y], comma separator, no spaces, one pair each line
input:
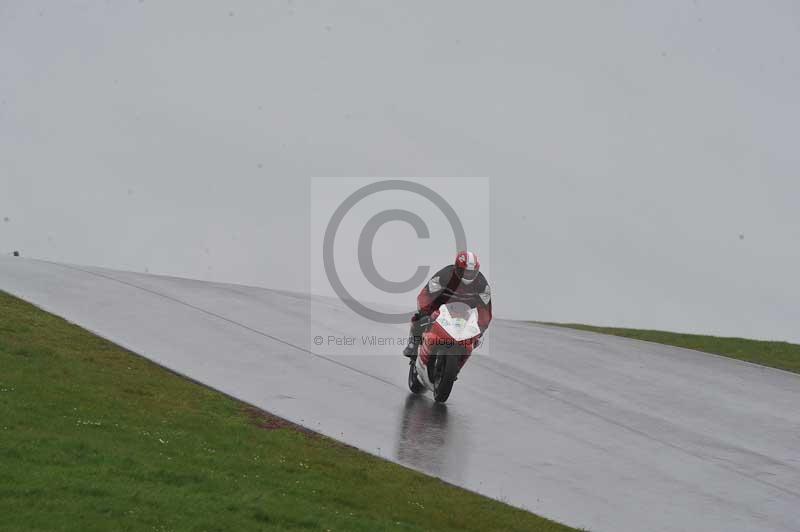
[445,375]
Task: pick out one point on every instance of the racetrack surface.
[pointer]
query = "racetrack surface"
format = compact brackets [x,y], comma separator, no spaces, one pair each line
[594,431]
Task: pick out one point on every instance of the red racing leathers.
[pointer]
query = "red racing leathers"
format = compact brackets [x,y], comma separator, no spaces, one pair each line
[445,287]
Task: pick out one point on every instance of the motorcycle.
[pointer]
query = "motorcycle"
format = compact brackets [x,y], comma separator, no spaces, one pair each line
[451,336]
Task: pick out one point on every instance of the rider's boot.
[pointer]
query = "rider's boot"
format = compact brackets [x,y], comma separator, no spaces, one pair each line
[411,348]
[414,337]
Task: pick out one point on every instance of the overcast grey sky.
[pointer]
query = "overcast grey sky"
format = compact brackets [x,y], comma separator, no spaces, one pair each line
[642,155]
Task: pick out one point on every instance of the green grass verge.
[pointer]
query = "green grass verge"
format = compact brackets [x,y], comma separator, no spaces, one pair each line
[781,355]
[93,437]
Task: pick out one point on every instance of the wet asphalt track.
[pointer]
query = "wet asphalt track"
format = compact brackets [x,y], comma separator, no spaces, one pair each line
[594,431]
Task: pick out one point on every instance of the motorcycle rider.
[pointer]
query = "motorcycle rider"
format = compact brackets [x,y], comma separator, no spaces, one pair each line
[461,282]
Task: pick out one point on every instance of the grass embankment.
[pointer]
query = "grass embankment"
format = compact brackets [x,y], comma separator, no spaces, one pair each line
[93,437]
[781,355]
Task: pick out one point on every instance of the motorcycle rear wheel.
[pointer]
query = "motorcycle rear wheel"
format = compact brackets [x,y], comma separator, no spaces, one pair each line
[413,382]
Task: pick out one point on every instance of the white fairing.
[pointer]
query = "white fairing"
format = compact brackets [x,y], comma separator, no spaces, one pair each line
[457,327]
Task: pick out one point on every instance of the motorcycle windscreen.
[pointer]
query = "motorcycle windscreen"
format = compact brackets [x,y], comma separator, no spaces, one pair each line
[459,321]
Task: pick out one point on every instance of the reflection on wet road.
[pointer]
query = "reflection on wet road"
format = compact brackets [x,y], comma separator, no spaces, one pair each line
[429,439]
